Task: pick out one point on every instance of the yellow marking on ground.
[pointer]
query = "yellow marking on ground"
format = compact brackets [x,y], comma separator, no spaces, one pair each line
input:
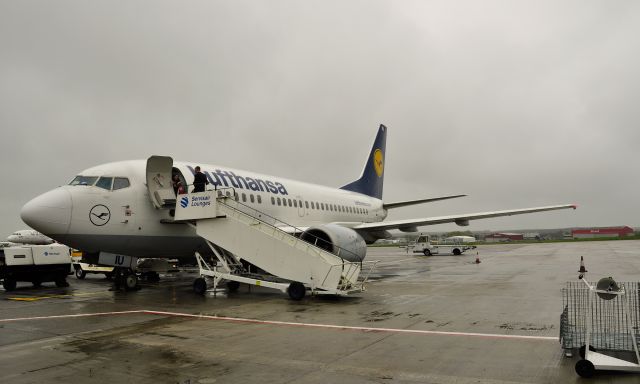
[36,298]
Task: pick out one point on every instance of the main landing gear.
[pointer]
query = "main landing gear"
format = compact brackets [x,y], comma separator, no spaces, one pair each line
[125,278]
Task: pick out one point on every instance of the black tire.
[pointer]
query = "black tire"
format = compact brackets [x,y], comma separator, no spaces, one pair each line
[233,286]
[80,273]
[9,284]
[36,283]
[456,252]
[583,348]
[153,277]
[585,368]
[200,286]
[296,291]
[61,282]
[427,252]
[130,281]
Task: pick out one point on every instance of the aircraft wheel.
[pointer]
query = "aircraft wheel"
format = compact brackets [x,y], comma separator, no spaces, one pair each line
[80,273]
[427,252]
[61,282]
[130,282]
[585,368]
[200,286]
[233,286]
[296,291]
[153,277]
[9,284]
[456,252]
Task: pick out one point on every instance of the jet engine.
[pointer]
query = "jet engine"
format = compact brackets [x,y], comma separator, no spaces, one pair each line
[343,242]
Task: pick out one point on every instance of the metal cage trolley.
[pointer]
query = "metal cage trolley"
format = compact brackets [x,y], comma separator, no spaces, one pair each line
[598,319]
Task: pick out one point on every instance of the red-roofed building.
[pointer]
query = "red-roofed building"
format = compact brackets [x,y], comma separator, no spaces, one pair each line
[602,232]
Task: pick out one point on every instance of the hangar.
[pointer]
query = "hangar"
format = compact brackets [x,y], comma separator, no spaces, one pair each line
[586,233]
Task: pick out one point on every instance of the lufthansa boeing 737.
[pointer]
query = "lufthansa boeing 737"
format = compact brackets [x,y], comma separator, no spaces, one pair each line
[128,207]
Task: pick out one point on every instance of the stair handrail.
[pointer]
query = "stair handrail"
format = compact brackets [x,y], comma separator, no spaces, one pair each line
[221,196]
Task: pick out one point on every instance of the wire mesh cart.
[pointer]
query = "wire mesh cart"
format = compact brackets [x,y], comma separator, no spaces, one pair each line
[598,319]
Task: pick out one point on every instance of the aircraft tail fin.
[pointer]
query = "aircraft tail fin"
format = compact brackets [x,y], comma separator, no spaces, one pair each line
[372,178]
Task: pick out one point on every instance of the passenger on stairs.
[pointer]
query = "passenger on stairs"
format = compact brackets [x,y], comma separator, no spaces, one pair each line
[199,180]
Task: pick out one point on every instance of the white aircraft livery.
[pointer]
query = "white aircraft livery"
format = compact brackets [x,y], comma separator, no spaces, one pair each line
[29,236]
[128,207]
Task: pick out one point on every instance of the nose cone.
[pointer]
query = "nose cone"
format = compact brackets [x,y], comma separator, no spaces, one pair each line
[49,213]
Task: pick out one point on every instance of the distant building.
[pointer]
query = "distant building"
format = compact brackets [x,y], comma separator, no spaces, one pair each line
[532,236]
[587,233]
[501,237]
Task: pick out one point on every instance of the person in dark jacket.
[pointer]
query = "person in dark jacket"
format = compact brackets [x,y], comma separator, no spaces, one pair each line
[199,181]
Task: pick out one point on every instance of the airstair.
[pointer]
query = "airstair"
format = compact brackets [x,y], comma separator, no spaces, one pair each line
[285,262]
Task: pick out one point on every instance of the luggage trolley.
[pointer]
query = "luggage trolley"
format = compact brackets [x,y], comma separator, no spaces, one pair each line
[610,325]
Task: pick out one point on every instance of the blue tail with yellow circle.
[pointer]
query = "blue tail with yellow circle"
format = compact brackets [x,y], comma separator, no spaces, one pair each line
[372,178]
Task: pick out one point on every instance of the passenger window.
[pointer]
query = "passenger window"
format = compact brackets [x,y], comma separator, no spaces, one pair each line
[313,205]
[279,201]
[295,203]
[259,199]
[273,200]
[306,204]
[244,198]
[290,203]
[120,183]
[104,183]
[251,197]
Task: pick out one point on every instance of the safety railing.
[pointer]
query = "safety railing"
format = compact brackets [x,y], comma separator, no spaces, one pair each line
[230,193]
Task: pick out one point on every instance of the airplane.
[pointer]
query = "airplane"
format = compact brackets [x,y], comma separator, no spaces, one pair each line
[29,236]
[127,208]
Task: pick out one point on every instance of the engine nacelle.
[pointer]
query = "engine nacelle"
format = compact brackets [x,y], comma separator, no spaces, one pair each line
[340,241]
[462,222]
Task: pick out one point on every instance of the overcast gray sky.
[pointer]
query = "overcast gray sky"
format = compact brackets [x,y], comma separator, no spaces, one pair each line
[516,103]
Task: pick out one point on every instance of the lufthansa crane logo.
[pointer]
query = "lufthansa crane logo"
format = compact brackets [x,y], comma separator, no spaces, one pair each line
[99,215]
[378,162]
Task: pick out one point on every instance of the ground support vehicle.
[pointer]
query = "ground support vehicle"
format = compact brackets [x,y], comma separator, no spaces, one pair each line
[35,264]
[423,245]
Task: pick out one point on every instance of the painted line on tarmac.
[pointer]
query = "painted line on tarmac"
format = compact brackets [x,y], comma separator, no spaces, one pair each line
[65,296]
[352,328]
[72,316]
[288,323]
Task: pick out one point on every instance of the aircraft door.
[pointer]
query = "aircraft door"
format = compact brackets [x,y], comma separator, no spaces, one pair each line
[159,170]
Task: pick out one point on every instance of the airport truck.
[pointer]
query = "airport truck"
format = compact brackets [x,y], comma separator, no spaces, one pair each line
[35,264]
[423,245]
[81,268]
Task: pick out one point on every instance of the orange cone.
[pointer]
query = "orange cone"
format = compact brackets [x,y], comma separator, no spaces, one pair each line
[477,257]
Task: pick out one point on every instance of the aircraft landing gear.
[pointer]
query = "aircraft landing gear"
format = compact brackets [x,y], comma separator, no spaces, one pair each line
[125,278]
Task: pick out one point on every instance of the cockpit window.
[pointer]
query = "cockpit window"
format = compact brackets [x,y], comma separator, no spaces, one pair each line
[84,180]
[120,182]
[105,183]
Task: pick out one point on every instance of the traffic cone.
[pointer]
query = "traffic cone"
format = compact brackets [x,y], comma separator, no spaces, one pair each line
[477,257]
[582,269]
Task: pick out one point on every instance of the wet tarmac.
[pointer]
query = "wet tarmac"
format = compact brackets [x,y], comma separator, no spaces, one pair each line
[438,319]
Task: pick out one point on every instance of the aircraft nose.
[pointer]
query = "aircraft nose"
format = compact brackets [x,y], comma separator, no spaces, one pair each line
[49,213]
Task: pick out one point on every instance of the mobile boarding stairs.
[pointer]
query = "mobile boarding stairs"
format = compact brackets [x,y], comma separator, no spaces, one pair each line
[286,262]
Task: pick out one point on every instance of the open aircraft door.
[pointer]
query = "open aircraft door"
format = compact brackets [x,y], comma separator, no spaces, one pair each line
[159,170]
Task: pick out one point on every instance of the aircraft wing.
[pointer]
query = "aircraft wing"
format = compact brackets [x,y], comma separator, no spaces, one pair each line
[462,219]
